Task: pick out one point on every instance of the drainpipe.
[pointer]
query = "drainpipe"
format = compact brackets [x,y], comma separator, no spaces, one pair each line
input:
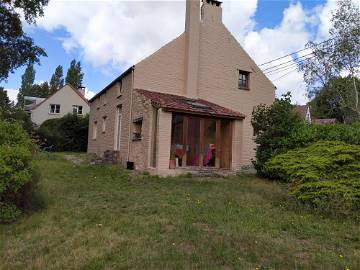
[130,119]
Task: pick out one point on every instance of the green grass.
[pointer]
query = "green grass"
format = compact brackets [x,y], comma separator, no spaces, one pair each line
[102,217]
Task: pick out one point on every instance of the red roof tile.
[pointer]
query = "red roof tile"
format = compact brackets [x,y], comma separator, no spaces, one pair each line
[183,104]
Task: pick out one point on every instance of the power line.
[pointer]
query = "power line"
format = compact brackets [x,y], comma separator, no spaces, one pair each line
[294,52]
[269,69]
[276,70]
[291,71]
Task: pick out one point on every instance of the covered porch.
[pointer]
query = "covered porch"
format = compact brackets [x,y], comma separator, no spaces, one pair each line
[192,135]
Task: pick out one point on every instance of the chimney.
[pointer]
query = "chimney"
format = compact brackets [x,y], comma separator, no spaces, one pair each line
[211,12]
[81,90]
[192,37]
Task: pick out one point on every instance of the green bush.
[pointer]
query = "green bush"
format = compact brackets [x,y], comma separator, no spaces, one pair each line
[16,171]
[69,133]
[306,134]
[271,124]
[324,173]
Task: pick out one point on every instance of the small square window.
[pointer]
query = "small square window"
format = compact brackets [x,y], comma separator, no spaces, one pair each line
[77,109]
[54,108]
[244,78]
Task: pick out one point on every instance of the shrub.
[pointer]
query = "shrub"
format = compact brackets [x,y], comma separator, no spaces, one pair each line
[16,171]
[271,124]
[69,133]
[324,173]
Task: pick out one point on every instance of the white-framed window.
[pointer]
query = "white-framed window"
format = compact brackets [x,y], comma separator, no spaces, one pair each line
[104,124]
[77,109]
[94,130]
[54,108]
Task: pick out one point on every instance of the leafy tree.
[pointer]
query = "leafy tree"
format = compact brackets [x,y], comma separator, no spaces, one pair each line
[333,100]
[74,75]
[27,81]
[5,104]
[339,55]
[57,80]
[271,124]
[16,48]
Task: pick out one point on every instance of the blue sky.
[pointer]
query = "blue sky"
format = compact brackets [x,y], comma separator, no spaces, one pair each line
[105,57]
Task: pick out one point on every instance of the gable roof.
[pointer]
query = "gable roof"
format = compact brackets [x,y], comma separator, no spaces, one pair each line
[112,83]
[76,91]
[174,103]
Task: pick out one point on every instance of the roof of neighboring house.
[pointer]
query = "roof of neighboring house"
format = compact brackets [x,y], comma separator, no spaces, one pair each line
[76,91]
[112,83]
[301,110]
[327,121]
[175,103]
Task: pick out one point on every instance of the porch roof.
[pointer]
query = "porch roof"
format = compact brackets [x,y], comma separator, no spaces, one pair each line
[174,103]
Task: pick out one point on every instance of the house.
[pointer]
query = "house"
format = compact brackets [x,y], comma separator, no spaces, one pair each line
[185,107]
[65,100]
[304,112]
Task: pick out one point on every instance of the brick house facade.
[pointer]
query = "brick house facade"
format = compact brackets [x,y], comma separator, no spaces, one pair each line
[187,105]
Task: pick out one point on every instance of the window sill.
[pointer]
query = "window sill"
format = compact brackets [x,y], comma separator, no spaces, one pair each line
[136,139]
[54,113]
[244,88]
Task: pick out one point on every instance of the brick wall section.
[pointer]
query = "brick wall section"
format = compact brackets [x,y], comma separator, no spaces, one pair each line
[221,58]
[163,142]
[106,141]
[163,71]
[139,149]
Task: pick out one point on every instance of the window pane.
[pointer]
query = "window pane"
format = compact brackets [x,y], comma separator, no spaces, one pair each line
[193,151]
[209,142]
[177,149]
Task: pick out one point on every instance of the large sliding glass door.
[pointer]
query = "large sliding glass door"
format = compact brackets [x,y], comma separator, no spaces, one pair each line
[201,141]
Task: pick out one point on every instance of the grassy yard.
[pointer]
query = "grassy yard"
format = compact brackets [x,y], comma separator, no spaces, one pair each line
[102,217]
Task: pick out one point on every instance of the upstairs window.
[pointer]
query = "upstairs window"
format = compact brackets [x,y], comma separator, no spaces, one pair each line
[77,109]
[54,108]
[244,78]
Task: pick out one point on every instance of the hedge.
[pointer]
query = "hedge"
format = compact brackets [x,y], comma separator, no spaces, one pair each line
[324,173]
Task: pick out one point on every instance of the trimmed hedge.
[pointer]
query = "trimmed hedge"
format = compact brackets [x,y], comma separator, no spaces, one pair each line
[69,133]
[323,174]
[17,175]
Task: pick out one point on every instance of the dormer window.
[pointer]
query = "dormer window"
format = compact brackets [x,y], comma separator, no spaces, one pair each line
[244,79]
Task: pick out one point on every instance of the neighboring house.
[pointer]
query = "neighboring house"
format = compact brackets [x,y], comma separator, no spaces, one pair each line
[65,100]
[304,112]
[327,121]
[188,105]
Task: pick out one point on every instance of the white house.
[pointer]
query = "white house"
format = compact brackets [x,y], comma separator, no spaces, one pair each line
[65,100]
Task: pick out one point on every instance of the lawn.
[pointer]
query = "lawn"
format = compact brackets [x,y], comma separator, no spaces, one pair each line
[103,217]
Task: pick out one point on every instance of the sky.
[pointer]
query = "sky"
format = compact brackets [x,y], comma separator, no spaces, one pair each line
[110,36]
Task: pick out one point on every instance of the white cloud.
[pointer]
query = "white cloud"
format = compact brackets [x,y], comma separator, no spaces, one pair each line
[12,94]
[117,34]
[89,94]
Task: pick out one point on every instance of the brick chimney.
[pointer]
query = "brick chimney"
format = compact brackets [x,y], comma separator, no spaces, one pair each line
[81,90]
[211,12]
[192,36]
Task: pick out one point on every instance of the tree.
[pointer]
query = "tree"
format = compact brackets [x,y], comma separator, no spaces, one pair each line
[74,75]
[57,80]
[16,48]
[40,90]
[271,124]
[27,81]
[328,104]
[5,104]
[339,55]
